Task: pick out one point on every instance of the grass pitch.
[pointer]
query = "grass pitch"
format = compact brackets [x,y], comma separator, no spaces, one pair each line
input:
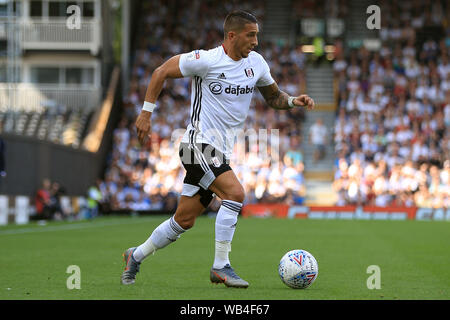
[413,256]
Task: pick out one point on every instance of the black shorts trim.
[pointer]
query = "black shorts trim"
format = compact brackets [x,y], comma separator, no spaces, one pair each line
[203,164]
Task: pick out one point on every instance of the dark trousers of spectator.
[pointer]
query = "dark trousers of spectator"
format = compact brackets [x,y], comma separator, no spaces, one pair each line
[46,214]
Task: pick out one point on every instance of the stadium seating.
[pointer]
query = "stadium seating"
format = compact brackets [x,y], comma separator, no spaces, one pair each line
[66,127]
[392,126]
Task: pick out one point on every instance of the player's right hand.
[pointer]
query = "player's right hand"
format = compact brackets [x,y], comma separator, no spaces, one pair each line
[143,126]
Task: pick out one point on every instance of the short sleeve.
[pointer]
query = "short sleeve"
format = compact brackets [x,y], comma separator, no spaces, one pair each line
[195,63]
[266,78]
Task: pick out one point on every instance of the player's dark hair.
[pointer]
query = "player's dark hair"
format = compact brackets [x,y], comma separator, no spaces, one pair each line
[236,20]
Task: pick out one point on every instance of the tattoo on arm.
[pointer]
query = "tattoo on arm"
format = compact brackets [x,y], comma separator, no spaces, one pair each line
[279,100]
[274,97]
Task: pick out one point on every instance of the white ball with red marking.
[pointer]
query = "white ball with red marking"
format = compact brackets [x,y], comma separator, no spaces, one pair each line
[298,269]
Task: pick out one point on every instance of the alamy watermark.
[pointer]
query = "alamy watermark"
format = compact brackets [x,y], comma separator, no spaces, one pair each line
[374,281]
[74,280]
[265,144]
[374,20]
[73,21]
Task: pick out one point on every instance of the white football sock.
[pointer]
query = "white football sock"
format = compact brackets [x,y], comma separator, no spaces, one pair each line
[221,254]
[226,221]
[144,250]
[166,233]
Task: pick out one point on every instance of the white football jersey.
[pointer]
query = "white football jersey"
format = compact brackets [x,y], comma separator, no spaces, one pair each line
[222,90]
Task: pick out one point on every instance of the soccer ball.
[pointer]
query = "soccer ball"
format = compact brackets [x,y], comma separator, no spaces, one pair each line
[298,269]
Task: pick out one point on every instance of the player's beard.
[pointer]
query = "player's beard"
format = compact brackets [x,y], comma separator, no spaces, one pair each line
[246,52]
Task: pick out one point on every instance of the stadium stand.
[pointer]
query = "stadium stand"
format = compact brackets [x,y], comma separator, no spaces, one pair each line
[52,83]
[151,177]
[65,127]
[47,73]
[392,125]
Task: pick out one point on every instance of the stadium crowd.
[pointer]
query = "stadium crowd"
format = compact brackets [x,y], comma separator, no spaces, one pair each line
[392,134]
[150,177]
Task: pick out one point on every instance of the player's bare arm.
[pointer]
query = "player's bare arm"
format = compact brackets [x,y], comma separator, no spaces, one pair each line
[278,99]
[169,69]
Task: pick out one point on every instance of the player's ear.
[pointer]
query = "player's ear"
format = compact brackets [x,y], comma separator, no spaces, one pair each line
[231,35]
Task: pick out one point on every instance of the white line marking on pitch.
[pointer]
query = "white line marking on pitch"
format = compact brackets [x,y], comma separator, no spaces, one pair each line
[82,225]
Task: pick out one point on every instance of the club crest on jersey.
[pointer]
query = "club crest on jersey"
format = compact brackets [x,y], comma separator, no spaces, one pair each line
[197,54]
[249,73]
[215,162]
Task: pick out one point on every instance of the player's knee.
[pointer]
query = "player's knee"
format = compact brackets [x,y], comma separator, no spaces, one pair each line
[186,222]
[235,194]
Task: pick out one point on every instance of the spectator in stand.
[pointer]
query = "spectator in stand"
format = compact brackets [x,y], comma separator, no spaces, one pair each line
[294,153]
[43,202]
[56,192]
[93,200]
[318,138]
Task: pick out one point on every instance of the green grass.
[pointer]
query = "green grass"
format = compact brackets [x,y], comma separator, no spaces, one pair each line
[414,258]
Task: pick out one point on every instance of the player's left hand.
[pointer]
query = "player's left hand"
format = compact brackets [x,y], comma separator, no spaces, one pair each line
[304,101]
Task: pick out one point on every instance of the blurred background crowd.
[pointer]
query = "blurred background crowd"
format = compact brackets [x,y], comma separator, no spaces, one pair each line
[391,135]
[379,135]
